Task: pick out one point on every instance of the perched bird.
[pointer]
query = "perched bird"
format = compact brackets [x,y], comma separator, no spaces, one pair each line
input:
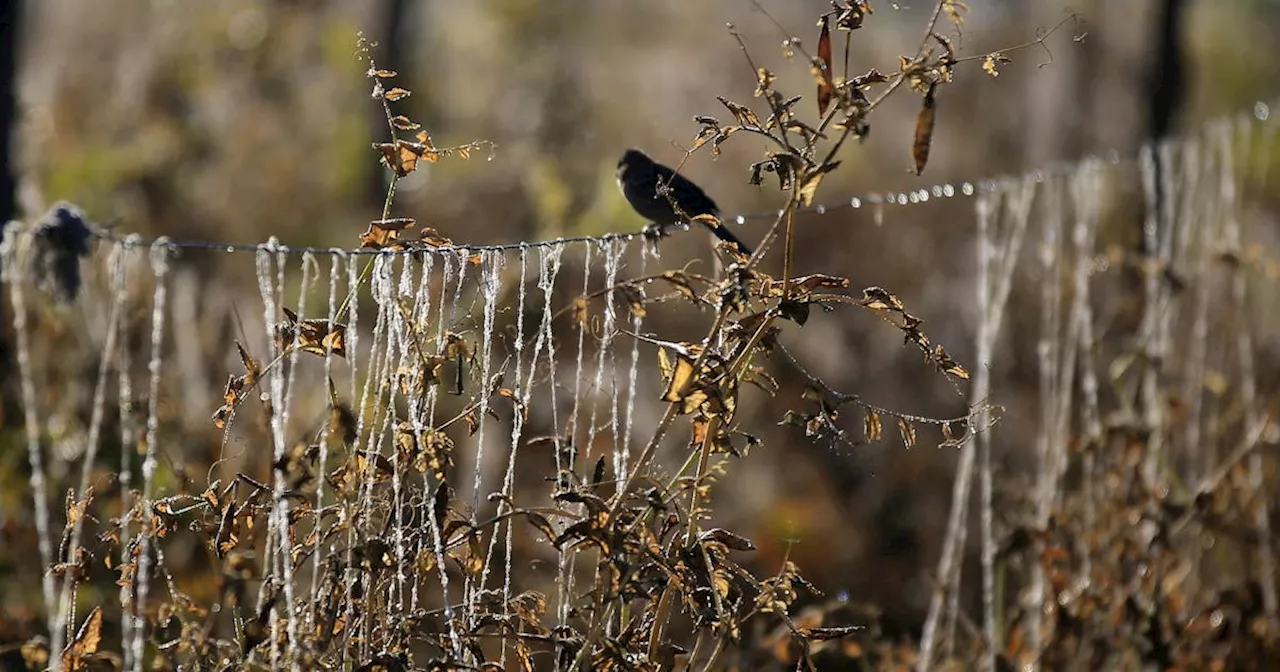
[639,176]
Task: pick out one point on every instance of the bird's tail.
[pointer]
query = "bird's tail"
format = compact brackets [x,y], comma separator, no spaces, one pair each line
[724,234]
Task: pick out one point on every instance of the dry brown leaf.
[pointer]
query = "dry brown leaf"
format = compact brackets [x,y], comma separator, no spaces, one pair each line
[825,88]
[924,130]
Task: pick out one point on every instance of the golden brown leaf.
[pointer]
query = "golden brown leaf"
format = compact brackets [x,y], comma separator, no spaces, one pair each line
[924,130]
[872,427]
[991,62]
[745,115]
[764,81]
[679,375]
[404,123]
[908,432]
[395,94]
[383,232]
[877,298]
[825,88]
[86,642]
[954,9]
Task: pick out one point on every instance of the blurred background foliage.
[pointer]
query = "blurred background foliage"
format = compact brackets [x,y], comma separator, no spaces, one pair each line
[235,120]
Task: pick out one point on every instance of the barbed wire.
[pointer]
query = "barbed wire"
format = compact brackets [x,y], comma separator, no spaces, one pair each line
[1261,111]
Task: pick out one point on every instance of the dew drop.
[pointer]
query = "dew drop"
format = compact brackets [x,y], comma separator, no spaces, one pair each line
[740,219]
[948,190]
[1261,110]
[966,189]
[856,202]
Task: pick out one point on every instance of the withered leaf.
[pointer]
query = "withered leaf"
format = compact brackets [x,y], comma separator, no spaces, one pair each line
[404,123]
[729,539]
[86,642]
[395,94]
[876,298]
[251,367]
[593,502]
[872,427]
[678,374]
[954,9]
[796,311]
[398,156]
[540,522]
[805,284]
[825,88]
[745,115]
[908,432]
[873,76]
[597,475]
[924,129]
[947,364]
[635,299]
[830,632]
[384,232]
[432,238]
[764,82]
[681,282]
[991,63]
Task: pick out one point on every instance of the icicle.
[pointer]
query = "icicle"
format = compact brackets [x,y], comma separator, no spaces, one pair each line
[1086,194]
[405,354]
[1054,376]
[490,283]
[337,259]
[433,394]
[310,270]
[517,429]
[1152,416]
[160,269]
[549,268]
[421,311]
[997,256]
[419,423]
[31,420]
[129,624]
[353,328]
[66,601]
[383,289]
[612,252]
[575,446]
[622,453]
[278,552]
[1198,457]
[1255,418]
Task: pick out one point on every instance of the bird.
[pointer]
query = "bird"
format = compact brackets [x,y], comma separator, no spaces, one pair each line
[638,178]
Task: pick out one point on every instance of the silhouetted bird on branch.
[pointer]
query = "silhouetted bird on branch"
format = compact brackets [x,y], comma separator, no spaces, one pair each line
[639,177]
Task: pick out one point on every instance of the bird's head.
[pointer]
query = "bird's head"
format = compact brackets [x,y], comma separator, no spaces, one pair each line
[632,159]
